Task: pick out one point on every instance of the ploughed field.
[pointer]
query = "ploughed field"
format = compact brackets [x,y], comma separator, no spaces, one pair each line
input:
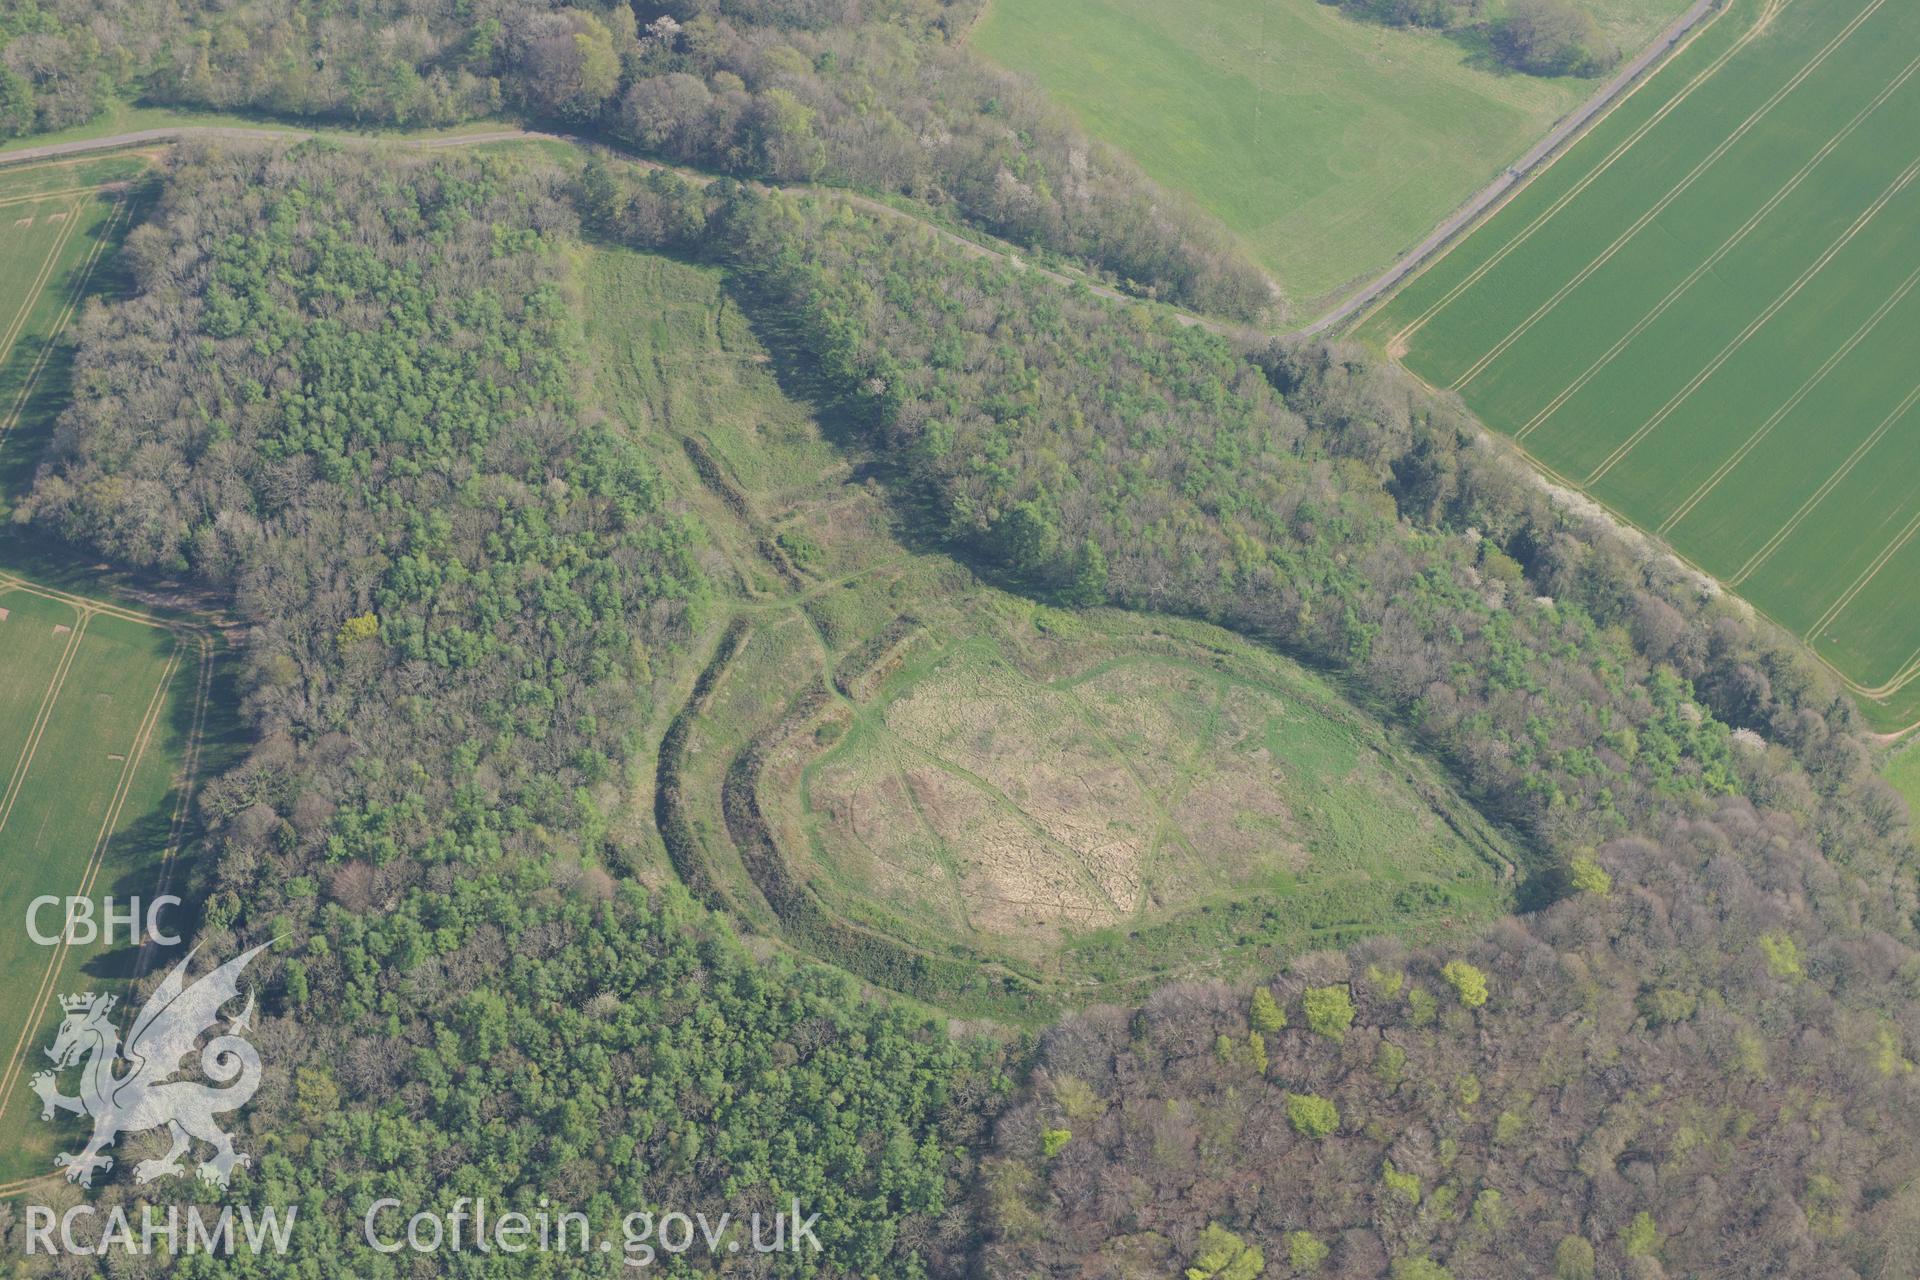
[1706,315]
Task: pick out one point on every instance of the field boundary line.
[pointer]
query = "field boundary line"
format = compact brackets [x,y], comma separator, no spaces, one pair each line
[92,605]
[61,321]
[1574,192]
[1867,575]
[1561,487]
[143,735]
[1900,679]
[10,1189]
[39,285]
[1904,676]
[1758,323]
[18,779]
[1792,402]
[1712,260]
[1819,495]
[70,158]
[1665,202]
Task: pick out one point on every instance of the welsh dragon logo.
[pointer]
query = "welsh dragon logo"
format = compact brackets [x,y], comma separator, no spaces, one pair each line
[143,1097]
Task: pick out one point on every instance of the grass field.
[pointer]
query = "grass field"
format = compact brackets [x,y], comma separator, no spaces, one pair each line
[58,223]
[1329,145]
[997,807]
[1094,797]
[1705,315]
[1902,769]
[99,712]
[101,706]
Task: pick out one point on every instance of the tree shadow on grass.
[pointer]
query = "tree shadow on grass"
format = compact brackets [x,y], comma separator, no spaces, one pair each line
[914,516]
[47,386]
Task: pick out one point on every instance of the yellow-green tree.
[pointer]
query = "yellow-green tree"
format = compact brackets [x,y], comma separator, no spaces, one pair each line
[1311,1115]
[1306,1251]
[1266,1013]
[1225,1256]
[1588,876]
[1467,981]
[1329,1010]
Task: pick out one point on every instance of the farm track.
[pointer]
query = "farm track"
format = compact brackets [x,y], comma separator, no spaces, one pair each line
[19,777]
[1867,575]
[38,197]
[39,285]
[1507,189]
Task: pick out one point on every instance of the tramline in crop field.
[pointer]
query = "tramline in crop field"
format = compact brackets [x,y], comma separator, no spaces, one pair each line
[1706,315]
[101,706]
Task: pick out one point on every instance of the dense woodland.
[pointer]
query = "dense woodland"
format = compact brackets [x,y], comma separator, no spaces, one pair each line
[448,556]
[875,94]
[345,391]
[349,394]
[1680,1067]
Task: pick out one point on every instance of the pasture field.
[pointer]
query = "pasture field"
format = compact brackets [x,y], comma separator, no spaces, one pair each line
[996,807]
[1329,145]
[1705,316]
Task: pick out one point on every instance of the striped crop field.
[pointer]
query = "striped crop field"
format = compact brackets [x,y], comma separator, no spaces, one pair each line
[1706,315]
[99,729]
[101,706]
